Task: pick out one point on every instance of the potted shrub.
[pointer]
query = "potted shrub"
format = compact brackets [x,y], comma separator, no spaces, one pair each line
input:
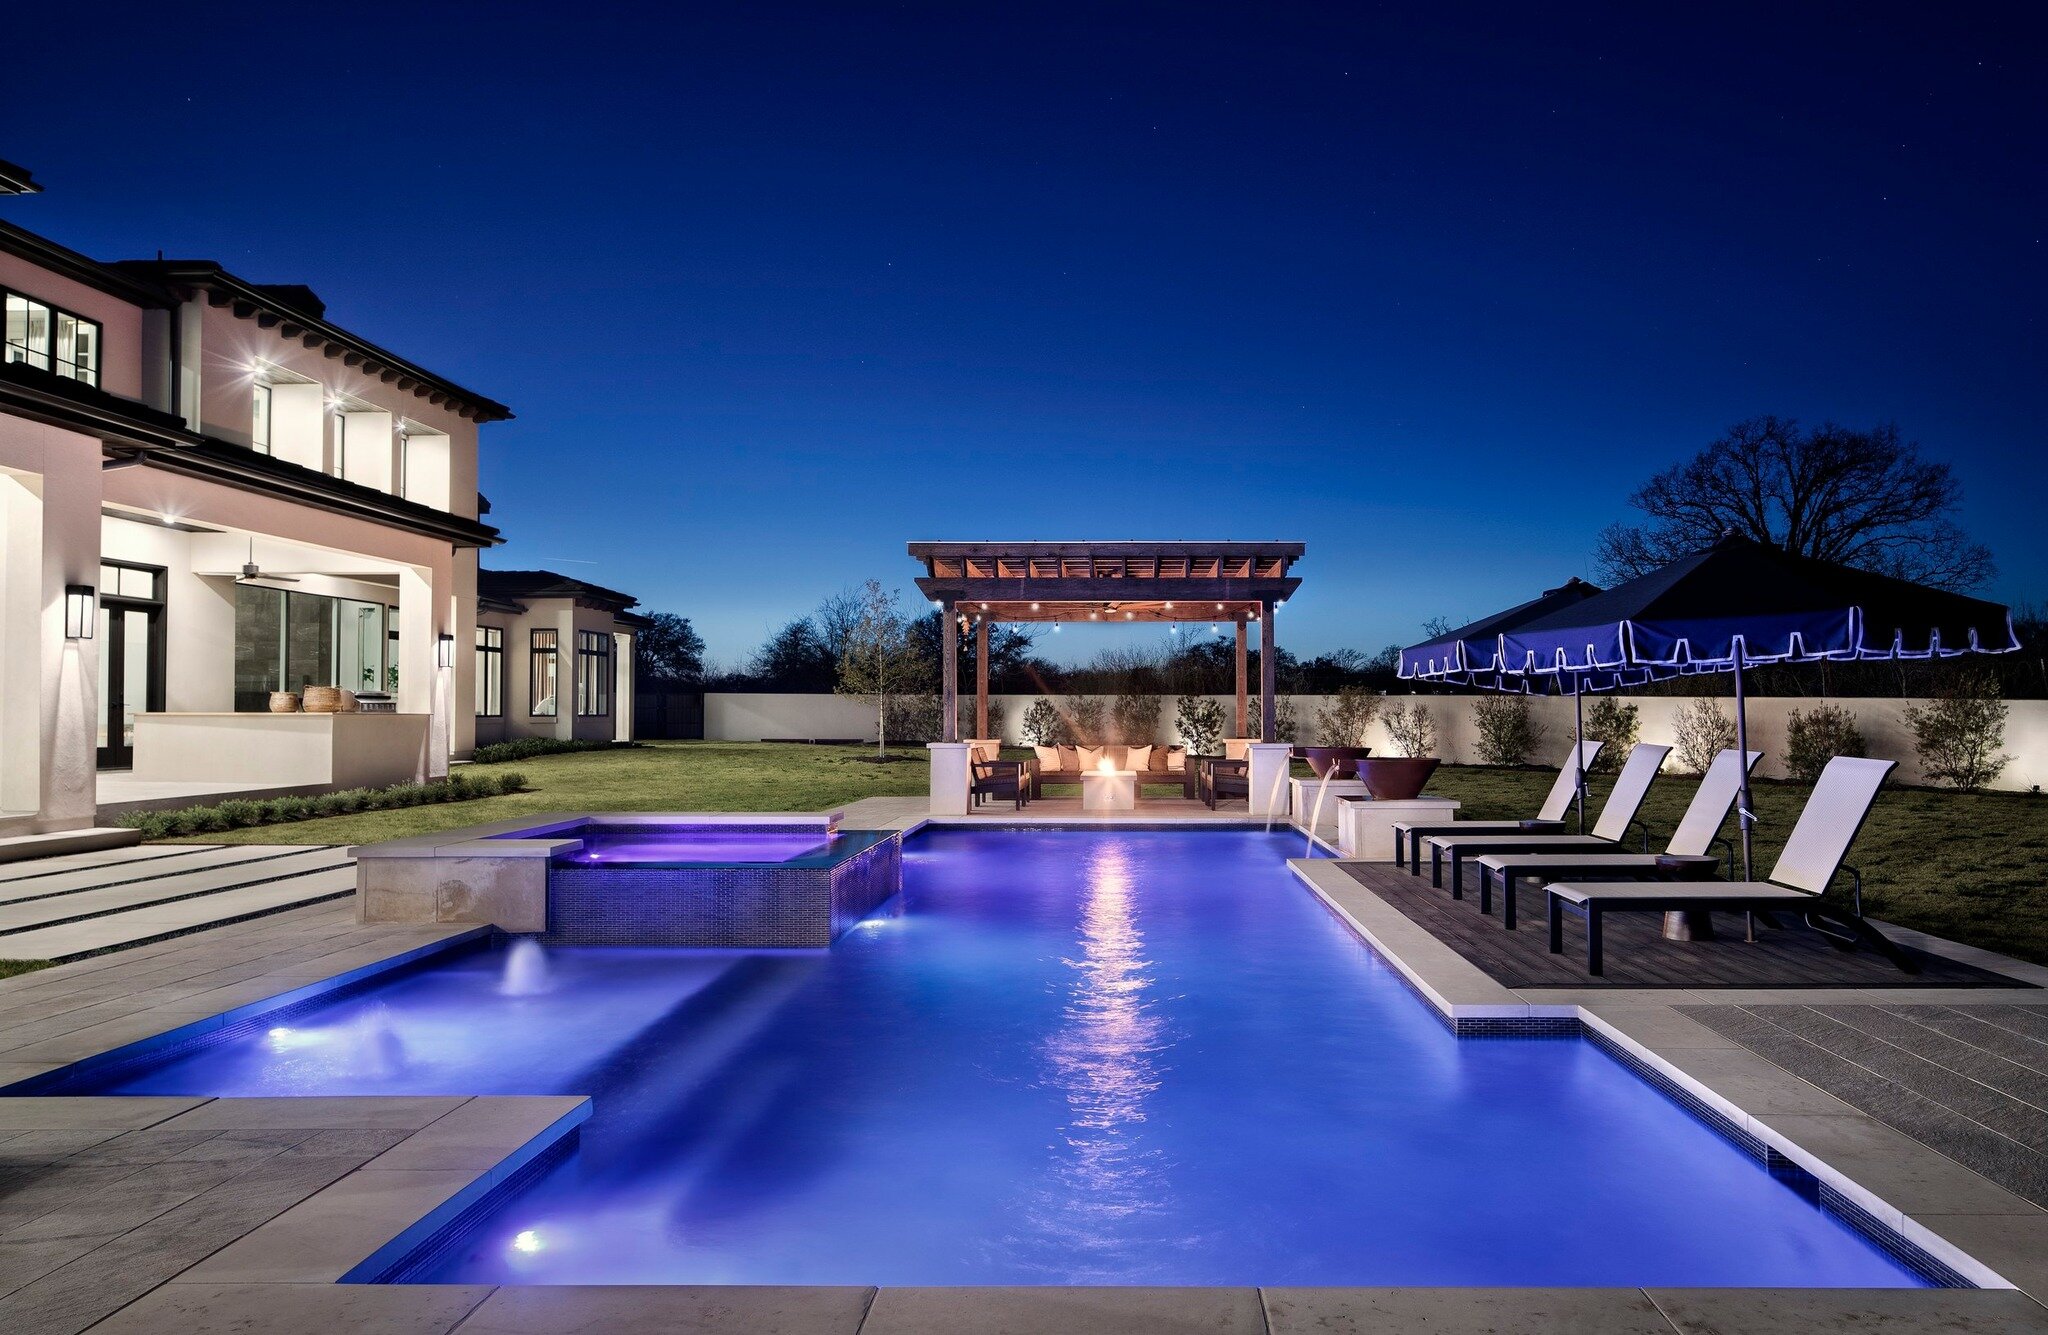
[1400,778]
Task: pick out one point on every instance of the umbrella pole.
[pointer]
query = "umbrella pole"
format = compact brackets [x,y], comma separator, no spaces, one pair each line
[1745,809]
[1579,754]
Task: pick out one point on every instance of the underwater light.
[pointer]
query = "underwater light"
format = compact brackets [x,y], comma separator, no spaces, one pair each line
[526,1241]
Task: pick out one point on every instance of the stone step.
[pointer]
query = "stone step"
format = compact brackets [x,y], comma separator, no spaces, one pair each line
[58,884]
[158,922]
[205,882]
[20,847]
[112,857]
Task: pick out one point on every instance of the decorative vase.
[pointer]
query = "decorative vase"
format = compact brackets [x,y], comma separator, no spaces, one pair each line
[284,702]
[1331,761]
[1396,778]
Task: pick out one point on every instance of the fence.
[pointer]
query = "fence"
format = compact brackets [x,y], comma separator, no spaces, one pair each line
[736,717]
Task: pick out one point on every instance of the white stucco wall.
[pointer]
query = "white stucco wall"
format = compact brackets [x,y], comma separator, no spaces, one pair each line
[736,716]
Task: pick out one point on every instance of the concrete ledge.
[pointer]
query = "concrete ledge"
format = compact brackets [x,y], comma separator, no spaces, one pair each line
[21,847]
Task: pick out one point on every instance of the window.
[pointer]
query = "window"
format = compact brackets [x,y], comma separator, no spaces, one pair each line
[287,641]
[341,444]
[259,422]
[544,667]
[593,672]
[490,672]
[50,339]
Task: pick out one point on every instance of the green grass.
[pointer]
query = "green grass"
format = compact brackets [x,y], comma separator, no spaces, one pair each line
[10,968]
[1969,867]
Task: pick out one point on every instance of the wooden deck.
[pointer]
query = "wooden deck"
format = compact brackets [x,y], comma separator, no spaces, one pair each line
[1638,956]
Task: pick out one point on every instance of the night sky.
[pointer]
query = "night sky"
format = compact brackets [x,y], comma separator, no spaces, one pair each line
[775,289]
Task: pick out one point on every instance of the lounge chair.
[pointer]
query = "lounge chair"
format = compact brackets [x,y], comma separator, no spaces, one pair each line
[1549,816]
[1000,779]
[1834,815]
[1697,833]
[1226,779]
[1631,786]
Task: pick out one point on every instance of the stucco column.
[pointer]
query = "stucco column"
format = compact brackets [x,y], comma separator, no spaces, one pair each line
[69,768]
[462,706]
[425,612]
[1268,774]
[949,778]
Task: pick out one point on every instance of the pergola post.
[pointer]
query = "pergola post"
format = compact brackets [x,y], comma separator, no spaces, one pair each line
[981,677]
[1269,673]
[949,673]
[1243,708]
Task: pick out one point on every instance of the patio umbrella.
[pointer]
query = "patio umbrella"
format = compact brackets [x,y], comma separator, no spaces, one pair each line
[1471,656]
[1740,603]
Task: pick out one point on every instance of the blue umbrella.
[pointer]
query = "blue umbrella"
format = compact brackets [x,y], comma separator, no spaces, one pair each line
[1740,603]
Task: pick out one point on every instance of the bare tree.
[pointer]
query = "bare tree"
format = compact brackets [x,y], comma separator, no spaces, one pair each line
[877,660]
[1861,498]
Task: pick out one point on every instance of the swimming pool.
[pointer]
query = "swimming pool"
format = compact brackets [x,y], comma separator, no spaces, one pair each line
[1060,1056]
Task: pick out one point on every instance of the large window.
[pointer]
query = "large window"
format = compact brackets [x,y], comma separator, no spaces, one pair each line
[593,672]
[490,672]
[50,339]
[287,641]
[544,671]
[259,420]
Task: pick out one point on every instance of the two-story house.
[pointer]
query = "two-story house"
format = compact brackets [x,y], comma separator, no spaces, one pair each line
[212,498]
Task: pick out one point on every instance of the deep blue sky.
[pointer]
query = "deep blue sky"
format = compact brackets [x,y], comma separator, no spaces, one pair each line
[774,289]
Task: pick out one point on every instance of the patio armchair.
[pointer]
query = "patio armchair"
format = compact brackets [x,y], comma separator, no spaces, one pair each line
[1689,851]
[999,779]
[1550,816]
[1223,779]
[1617,817]
[1820,840]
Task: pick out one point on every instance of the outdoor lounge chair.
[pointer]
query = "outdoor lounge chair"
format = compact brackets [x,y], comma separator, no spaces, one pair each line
[999,779]
[1226,778]
[1549,816]
[1631,786]
[1698,831]
[1834,815]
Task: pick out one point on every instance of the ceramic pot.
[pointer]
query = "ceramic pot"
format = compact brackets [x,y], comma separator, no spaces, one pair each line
[1396,778]
[1331,761]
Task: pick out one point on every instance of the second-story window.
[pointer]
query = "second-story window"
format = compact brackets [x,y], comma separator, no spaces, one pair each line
[543,671]
[50,339]
[341,444]
[259,421]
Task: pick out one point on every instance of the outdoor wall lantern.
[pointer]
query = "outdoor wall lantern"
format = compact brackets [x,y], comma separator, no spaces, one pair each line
[81,611]
[444,651]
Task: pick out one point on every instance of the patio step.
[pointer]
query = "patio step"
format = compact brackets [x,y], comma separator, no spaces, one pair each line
[158,922]
[51,885]
[21,847]
[113,857]
[114,900]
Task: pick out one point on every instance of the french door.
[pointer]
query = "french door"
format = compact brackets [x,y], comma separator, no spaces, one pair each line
[131,658]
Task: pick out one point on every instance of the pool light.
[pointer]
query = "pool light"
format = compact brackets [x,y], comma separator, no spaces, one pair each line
[527,1241]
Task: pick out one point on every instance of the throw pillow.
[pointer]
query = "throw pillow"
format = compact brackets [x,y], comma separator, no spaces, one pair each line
[1177,759]
[1048,757]
[1137,757]
[1070,758]
[1090,757]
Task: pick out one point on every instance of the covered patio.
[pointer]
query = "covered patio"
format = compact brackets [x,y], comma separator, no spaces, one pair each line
[976,585]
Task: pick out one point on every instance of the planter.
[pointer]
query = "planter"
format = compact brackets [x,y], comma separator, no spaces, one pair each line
[1331,761]
[284,702]
[1396,778]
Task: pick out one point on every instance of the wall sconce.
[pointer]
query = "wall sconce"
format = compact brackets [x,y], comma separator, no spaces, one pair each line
[81,611]
[444,651]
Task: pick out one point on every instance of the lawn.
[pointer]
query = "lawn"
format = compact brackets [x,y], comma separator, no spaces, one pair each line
[1969,867]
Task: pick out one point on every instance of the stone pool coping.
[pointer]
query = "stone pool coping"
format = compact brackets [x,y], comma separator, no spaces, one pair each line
[281,1274]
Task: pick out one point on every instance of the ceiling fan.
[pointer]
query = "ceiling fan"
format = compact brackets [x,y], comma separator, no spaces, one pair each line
[251,572]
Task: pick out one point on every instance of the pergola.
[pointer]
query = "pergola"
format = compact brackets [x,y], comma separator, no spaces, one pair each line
[980,584]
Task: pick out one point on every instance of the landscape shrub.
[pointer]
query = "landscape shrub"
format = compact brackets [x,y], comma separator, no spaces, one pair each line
[525,748]
[1199,721]
[1815,736]
[1136,718]
[1284,726]
[1085,721]
[1043,725]
[1959,731]
[240,813]
[911,719]
[1345,720]
[1615,724]
[1413,729]
[1508,730]
[1704,731]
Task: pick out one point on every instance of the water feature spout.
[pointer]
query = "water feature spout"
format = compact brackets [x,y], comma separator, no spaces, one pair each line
[1280,777]
[1316,816]
[526,970]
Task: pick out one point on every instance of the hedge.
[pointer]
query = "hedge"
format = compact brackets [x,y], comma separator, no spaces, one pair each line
[525,748]
[236,814]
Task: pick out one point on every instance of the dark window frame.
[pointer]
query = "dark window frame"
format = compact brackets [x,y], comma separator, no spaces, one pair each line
[490,672]
[593,674]
[91,367]
[543,646]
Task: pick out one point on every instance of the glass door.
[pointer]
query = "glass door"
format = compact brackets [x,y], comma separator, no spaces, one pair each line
[131,658]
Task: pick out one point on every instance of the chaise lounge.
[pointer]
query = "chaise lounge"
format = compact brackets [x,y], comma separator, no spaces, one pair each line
[1550,816]
[1617,816]
[1833,817]
[1687,853]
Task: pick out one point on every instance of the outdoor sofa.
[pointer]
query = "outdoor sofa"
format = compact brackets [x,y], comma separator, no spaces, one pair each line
[1820,840]
[1162,765]
[1617,817]
[1550,816]
[1687,856]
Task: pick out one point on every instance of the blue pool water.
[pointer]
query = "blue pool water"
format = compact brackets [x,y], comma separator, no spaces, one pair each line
[1059,1057]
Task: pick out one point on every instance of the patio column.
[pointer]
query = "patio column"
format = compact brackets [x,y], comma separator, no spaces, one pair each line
[1269,673]
[949,674]
[981,677]
[1243,708]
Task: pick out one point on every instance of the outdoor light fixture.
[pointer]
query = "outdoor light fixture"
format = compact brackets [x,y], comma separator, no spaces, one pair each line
[444,652]
[1034,607]
[81,611]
